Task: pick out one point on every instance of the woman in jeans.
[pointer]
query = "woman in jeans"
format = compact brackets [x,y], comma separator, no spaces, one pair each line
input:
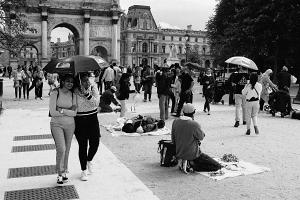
[26,78]
[17,75]
[87,130]
[63,109]
[252,92]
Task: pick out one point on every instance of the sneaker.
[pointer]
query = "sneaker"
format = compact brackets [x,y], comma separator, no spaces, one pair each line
[244,122]
[145,100]
[64,177]
[208,113]
[256,130]
[150,100]
[237,123]
[248,132]
[90,167]
[84,176]
[60,181]
[204,110]
[41,98]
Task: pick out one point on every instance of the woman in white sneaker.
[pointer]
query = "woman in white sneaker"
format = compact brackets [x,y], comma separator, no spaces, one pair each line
[252,92]
[62,109]
[87,130]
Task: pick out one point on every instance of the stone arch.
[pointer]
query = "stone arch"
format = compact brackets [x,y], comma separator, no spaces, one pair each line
[29,55]
[76,32]
[100,51]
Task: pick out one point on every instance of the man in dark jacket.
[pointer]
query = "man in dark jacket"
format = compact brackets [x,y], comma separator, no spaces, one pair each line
[163,84]
[106,99]
[284,79]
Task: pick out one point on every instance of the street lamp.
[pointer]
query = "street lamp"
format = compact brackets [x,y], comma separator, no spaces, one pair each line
[187,46]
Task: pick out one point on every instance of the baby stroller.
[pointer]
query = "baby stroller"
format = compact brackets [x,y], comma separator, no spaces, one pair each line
[280,101]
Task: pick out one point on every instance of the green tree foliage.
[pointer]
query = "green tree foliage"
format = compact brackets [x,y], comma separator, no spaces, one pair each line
[267,31]
[13,26]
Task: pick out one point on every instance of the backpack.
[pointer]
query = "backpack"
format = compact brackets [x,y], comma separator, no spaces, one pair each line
[167,152]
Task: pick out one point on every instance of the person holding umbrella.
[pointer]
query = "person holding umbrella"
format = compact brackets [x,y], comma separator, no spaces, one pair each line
[86,122]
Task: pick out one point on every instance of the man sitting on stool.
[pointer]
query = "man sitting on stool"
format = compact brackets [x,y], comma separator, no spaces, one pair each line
[106,98]
[187,136]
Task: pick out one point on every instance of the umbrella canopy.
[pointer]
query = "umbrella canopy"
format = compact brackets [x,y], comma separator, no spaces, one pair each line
[194,66]
[242,61]
[76,64]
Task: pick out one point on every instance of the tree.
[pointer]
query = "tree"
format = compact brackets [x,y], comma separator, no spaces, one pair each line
[266,31]
[13,26]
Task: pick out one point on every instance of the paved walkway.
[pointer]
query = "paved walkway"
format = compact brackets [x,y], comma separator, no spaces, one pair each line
[111,180]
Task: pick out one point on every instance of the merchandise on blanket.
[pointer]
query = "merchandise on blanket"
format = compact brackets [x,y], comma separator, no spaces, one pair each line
[167,152]
[296,114]
[229,158]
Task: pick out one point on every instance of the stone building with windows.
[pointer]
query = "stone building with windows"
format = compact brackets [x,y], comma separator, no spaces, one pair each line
[143,41]
[61,50]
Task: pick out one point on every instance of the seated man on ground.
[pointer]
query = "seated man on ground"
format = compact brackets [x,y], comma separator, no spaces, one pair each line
[187,136]
[106,99]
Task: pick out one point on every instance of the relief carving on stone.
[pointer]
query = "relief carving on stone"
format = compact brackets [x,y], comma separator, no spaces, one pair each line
[100,31]
[36,26]
[100,22]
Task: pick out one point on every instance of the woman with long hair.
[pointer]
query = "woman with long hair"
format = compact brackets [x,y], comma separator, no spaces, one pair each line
[252,92]
[87,130]
[63,109]
[26,78]
[124,92]
[17,75]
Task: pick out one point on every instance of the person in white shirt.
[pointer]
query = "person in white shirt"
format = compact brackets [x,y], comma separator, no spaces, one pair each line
[252,92]
[108,77]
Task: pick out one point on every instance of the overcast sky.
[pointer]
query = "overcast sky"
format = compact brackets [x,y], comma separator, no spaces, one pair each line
[177,13]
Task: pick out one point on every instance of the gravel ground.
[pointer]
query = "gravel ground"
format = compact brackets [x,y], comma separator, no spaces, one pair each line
[276,147]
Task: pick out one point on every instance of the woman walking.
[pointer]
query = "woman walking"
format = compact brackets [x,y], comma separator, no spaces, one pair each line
[267,87]
[252,92]
[63,109]
[124,92]
[87,130]
[208,82]
[17,76]
[26,78]
[38,76]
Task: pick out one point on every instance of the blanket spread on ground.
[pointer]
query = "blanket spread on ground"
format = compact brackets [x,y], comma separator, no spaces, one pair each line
[116,130]
[234,169]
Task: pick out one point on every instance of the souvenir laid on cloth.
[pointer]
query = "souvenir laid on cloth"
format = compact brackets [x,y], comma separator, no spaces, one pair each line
[233,169]
[137,126]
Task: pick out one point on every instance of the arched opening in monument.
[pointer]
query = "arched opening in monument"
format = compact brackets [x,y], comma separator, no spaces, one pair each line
[100,51]
[64,41]
[207,64]
[29,55]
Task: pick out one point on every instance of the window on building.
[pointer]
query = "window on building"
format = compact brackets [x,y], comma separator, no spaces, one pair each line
[145,47]
[180,38]
[180,49]
[204,50]
[172,38]
[163,37]
[163,49]
[196,39]
[31,55]
[155,48]
[204,40]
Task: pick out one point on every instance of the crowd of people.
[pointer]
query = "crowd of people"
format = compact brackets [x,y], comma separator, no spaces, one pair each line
[75,102]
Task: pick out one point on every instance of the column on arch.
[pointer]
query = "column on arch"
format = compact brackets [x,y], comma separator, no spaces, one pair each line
[115,37]
[86,37]
[44,35]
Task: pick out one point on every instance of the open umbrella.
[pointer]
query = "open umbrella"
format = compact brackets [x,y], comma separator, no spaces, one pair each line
[192,65]
[242,61]
[76,64]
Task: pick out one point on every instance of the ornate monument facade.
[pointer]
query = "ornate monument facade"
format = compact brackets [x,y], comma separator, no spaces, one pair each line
[94,23]
[143,41]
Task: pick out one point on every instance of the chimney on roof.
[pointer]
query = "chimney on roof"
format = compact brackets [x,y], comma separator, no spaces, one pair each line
[189,27]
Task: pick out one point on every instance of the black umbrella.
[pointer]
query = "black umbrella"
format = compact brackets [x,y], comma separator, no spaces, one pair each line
[76,64]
